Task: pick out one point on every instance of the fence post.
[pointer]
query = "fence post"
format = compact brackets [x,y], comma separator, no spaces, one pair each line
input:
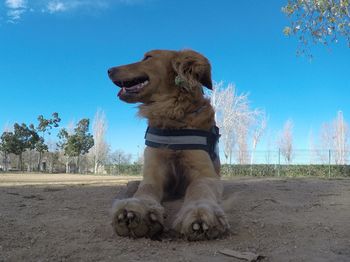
[251,163]
[279,161]
[329,163]
[119,164]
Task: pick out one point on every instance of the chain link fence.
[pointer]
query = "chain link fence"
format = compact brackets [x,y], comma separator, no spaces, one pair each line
[296,157]
[321,163]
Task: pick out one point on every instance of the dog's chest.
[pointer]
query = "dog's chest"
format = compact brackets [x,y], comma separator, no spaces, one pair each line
[177,179]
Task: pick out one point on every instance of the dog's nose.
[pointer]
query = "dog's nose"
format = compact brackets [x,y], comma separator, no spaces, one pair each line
[112,72]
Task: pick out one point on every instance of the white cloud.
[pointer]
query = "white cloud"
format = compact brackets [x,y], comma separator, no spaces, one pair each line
[15,4]
[80,4]
[15,14]
[56,6]
[131,2]
[14,9]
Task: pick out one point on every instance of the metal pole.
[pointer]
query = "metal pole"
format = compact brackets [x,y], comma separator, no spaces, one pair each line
[119,164]
[251,162]
[329,163]
[279,161]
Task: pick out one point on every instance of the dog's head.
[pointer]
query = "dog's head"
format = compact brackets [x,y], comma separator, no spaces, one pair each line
[162,72]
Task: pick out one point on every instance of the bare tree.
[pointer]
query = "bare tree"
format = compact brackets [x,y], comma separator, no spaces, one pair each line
[235,119]
[29,158]
[222,99]
[312,149]
[268,147]
[140,156]
[326,142]
[258,131]
[100,149]
[341,136]
[216,98]
[245,118]
[52,156]
[227,121]
[61,156]
[242,134]
[119,157]
[334,139]
[285,142]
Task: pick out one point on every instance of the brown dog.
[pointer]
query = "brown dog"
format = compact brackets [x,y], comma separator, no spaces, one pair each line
[168,84]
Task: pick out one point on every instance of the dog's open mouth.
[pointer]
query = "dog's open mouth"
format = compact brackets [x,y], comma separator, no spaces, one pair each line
[133,86]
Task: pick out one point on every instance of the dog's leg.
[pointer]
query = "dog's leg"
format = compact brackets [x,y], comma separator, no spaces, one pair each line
[201,216]
[142,215]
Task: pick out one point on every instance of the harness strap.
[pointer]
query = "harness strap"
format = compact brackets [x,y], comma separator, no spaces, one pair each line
[184,139]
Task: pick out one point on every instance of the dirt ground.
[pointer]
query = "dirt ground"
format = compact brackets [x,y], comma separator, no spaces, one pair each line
[66,218]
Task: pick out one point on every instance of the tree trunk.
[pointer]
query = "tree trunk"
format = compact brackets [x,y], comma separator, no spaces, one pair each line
[67,166]
[78,164]
[51,158]
[96,167]
[20,162]
[251,162]
[39,162]
[5,161]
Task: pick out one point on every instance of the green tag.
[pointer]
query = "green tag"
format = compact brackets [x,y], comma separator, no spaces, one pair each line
[179,81]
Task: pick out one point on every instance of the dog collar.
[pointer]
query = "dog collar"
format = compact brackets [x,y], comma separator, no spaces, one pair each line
[184,139]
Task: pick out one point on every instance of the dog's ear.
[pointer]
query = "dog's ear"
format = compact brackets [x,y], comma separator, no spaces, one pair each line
[192,69]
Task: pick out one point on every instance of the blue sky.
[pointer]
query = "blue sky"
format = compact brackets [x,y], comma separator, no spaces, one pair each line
[54,57]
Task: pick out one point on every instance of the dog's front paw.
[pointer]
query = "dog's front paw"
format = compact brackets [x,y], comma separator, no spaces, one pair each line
[136,217]
[201,221]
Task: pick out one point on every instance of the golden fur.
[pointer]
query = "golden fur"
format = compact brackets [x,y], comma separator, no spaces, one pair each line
[171,97]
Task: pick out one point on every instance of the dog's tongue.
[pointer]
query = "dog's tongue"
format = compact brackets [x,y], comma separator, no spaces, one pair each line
[131,89]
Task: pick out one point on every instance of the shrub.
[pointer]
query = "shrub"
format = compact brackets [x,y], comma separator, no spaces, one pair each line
[124,169]
[286,170]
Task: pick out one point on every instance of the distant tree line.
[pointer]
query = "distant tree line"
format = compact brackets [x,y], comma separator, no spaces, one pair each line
[45,146]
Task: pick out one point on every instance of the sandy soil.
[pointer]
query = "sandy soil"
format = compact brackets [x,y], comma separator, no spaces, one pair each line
[66,218]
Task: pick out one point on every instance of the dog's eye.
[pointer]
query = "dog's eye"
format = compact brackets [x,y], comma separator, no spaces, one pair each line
[146,57]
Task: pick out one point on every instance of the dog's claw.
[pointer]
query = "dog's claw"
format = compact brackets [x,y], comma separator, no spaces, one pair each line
[196,226]
[137,218]
[130,215]
[120,216]
[153,217]
[223,222]
[205,227]
[201,222]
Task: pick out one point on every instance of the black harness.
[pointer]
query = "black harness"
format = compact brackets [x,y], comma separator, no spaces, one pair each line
[184,139]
